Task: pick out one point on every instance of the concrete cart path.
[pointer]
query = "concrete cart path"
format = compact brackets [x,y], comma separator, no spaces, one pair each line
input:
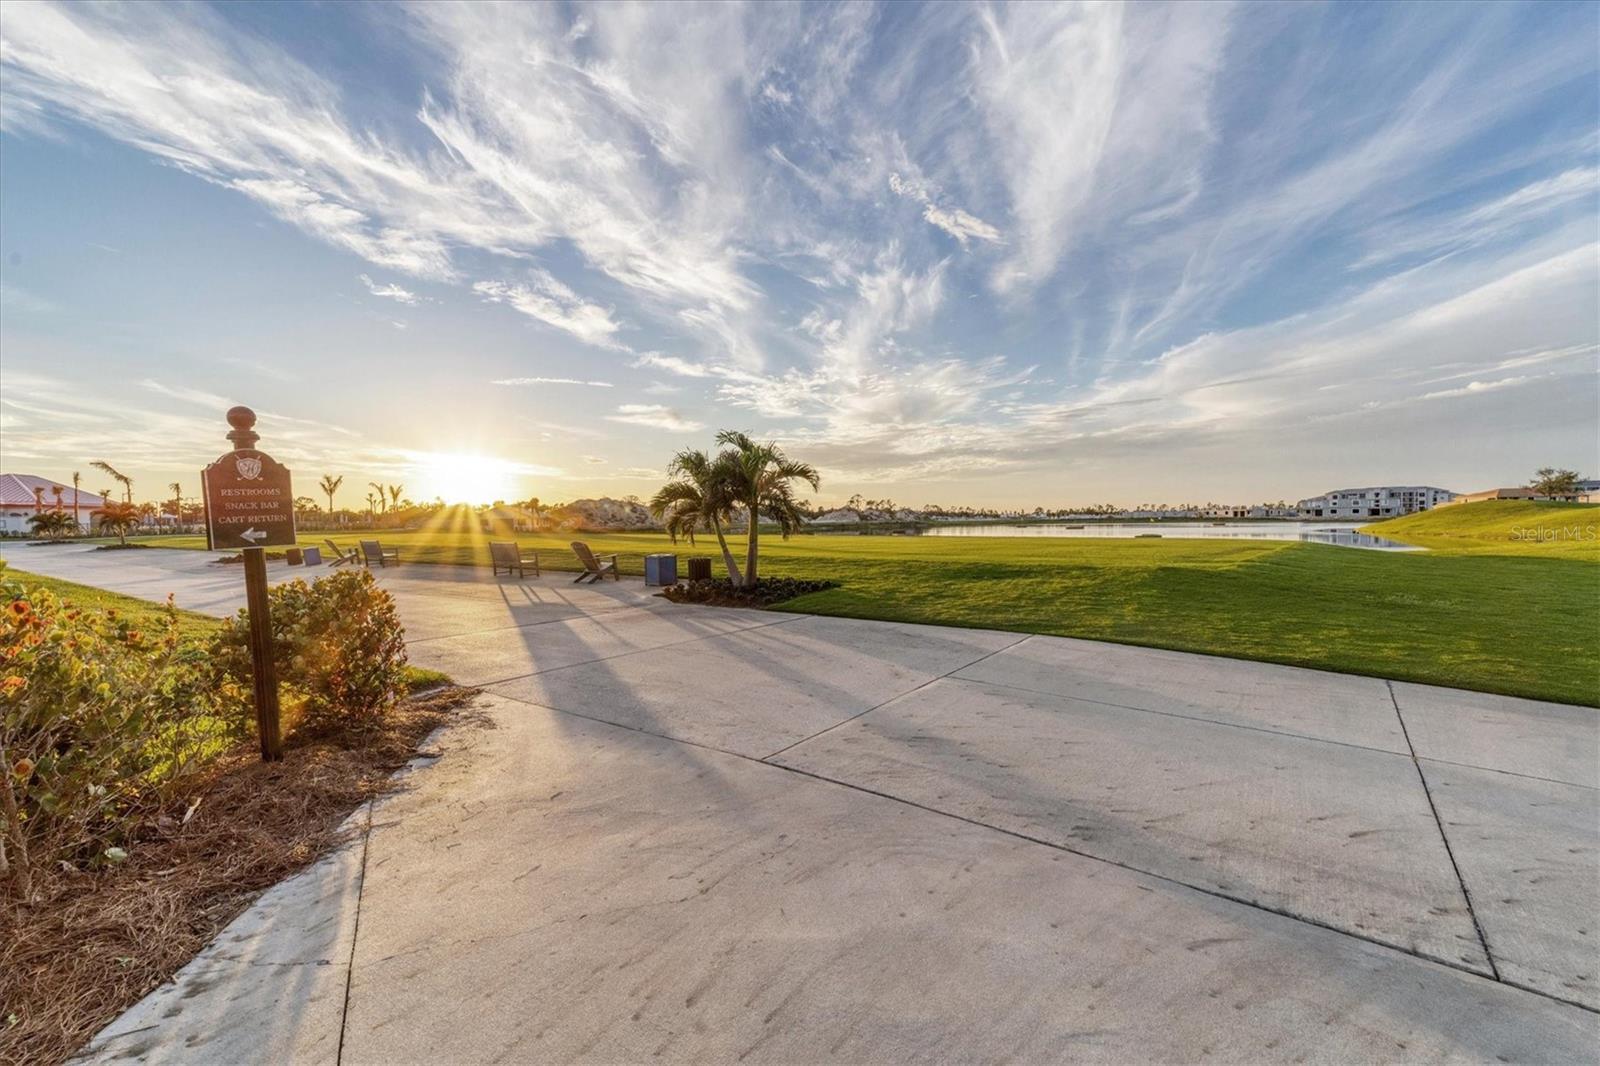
[714,834]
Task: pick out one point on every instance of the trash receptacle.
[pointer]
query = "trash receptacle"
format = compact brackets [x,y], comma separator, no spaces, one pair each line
[661,569]
[699,568]
[293,556]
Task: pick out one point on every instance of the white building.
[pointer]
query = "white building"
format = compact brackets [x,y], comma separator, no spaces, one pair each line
[1384,501]
[24,495]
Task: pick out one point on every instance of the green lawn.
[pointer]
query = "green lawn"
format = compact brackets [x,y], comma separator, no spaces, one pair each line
[1484,608]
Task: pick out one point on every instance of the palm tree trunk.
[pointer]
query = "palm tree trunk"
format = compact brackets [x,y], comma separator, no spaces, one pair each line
[727,556]
[755,543]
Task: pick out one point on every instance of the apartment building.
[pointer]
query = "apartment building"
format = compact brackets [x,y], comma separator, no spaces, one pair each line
[1382,501]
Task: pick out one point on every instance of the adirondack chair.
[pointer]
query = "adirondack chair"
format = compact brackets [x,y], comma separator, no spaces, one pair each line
[374,552]
[594,568]
[340,555]
[504,554]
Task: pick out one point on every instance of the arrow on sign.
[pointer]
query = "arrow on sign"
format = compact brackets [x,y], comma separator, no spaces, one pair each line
[253,534]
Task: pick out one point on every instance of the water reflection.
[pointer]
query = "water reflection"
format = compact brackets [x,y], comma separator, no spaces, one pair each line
[1310,532]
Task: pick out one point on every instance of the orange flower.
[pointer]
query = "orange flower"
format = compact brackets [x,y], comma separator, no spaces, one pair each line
[14,683]
[23,768]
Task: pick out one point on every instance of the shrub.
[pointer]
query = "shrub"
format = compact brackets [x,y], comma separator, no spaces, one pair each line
[99,719]
[339,650]
[721,592]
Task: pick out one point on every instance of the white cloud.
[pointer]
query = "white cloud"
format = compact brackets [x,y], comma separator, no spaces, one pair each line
[553,381]
[953,220]
[1472,388]
[655,416]
[389,292]
[555,304]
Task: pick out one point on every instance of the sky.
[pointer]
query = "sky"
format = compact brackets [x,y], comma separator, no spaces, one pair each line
[998,255]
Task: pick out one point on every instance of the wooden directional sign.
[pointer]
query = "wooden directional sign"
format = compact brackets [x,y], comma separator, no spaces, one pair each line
[249,503]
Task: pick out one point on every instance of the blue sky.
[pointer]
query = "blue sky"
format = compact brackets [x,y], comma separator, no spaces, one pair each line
[1015,255]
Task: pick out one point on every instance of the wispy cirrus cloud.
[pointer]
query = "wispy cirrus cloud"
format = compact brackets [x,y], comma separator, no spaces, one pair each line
[553,381]
[917,240]
[550,301]
[654,416]
[390,291]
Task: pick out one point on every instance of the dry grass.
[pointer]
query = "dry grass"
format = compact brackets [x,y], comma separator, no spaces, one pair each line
[95,943]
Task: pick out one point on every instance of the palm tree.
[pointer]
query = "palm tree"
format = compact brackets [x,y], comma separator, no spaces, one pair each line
[394,494]
[379,489]
[330,485]
[57,491]
[758,477]
[38,499]
[77,479]
[372,503]
[119,518]
[698,498]
[52,525]
[177,503]
[116,475]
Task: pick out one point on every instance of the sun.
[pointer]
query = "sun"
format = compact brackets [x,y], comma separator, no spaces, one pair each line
[459,477]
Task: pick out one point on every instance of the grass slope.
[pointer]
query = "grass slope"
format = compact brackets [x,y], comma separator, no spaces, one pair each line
[1479,610]
[1502,527]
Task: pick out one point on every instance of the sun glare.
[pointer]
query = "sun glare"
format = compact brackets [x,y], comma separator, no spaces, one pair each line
[465,478]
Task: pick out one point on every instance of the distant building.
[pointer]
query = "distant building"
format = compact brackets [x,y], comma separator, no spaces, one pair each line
[19,501]
[1384,501]
[1583,492]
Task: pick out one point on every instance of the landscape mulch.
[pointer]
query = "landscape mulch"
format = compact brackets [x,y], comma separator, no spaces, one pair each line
[93,943]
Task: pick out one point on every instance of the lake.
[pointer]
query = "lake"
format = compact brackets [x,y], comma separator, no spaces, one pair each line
[1344,536]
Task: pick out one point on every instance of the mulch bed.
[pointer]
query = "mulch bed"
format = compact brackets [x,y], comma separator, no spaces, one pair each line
[93,943]
[720,592]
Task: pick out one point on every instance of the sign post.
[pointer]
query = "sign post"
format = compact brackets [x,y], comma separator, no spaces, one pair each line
[250,507]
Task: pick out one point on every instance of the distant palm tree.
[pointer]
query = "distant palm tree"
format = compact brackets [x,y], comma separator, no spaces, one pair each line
[330,485]
[758,477]
[119,518]
[177,502]
[699,498]
[38,499]
[394,494]
[77,480]
[116,475]
[372,504]
[379,490]
[58,491]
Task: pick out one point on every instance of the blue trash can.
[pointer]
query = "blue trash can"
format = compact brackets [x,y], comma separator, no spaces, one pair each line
[661,569]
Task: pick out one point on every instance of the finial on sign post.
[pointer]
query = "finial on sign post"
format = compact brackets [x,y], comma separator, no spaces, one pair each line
[241,419]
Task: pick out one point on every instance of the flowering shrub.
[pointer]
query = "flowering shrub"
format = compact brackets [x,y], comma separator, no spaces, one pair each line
[338,646]
[97,718]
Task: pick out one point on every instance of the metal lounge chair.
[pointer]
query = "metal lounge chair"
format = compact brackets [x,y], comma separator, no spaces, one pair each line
[340,556]
[505,555]
[374,552]
[594,568]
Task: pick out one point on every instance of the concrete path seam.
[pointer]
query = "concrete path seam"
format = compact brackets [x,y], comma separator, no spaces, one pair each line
[1466,893]
[1185,717]
[1280,732]
[891,699]
[1213,893]
[355,933]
